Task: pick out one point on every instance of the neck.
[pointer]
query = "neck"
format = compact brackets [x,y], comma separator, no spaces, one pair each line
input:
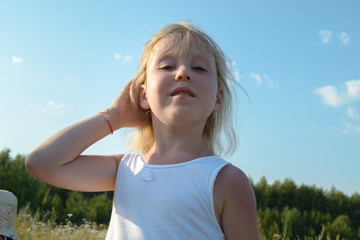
[176,144]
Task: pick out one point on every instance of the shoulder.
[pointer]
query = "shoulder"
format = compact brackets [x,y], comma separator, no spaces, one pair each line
[235,204]
[118,158]
[231,182]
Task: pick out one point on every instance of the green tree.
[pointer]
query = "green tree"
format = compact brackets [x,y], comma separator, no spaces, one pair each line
[338,203]
[77,207]
[354,213]
[58,209]
[14,178]
[288,191]
[275,198]
[340,226]
[303,198]
[100,208]
[269,220]
[292,222]
[262,193]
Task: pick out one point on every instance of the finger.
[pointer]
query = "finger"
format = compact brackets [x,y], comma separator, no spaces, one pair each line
[128,84]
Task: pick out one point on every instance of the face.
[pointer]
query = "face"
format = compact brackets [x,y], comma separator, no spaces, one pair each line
[181,86]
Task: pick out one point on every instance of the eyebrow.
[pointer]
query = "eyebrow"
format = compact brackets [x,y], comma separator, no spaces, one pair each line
[192,56]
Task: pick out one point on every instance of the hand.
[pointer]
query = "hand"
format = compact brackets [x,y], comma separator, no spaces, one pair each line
[122,111]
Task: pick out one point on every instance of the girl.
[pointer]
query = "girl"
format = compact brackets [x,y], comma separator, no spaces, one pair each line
[177,188]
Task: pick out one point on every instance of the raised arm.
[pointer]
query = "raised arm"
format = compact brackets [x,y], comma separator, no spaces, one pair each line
[58,162]
[235,205]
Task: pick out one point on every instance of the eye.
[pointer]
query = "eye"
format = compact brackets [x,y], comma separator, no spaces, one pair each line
[167,67]
[198,68]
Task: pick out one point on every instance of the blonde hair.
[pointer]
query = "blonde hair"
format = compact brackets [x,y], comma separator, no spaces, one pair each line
[143,138]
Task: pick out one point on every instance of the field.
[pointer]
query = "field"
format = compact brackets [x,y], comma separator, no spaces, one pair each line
[31,227]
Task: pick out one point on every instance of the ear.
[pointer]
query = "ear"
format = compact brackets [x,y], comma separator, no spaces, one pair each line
[143,98]
[219,100]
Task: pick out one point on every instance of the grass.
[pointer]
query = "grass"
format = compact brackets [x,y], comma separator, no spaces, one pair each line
[284,237]
[35,227]
[40,226]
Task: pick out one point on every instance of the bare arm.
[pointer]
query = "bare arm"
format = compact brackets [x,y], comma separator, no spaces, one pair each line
[57,161]
[235,205]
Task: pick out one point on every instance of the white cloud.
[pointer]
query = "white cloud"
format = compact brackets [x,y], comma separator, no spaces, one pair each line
[325,36]
[351,128]
[17,59]
[55,108]
[329,95]
[271,83]
[125,58]
[352,113]
[344,38]
[353,88]
[128,58]
[237,75]
[117,56]
[332,97]
[50,107]
[235,71]
[263,78]
[257,78]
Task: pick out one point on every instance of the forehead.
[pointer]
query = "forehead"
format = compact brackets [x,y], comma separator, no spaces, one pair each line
[175,44]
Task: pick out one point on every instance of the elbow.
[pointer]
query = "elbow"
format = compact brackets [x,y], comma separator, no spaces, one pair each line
[32,165]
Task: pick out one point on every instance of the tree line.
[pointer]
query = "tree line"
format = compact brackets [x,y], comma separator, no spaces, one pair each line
[283,207]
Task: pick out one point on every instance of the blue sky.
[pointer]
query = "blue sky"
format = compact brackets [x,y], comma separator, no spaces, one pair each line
[299,61]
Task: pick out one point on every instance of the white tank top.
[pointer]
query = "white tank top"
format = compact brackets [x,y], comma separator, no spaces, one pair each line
[165,201]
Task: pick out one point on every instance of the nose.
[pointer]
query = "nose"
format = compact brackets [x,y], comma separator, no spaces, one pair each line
[183,74]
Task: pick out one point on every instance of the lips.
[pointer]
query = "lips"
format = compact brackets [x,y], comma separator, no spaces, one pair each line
[182,91]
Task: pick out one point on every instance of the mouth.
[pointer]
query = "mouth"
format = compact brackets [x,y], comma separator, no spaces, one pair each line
[182,91]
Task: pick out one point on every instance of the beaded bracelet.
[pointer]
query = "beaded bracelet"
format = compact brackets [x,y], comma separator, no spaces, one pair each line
[106,115]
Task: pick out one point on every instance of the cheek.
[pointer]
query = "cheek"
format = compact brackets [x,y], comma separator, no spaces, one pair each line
[158,82]
[155,90]
[210,86]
